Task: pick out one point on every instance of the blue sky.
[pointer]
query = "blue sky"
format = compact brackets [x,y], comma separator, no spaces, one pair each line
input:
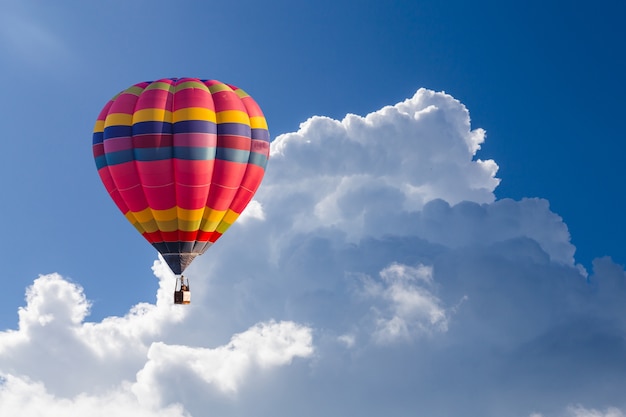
[375,242]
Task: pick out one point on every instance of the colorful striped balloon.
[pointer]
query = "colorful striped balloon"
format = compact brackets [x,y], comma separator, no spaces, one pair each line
[181,158]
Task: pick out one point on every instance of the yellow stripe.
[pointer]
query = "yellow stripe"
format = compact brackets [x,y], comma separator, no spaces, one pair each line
[211,219]
[227,221]
[190,215]
[189,226]
[139,228]
[134,222]
[150,226]
[213,215]
[191,84]
[230,216]
[118,119]
[209,226]
[99,126]
[140,216]
[223,227]
[241,93]
[150,115]
[175,213]
[159,86]
[168,225]
[194,113]
[216,88]
[258,122]
[134,90]
[164,215]
[233,116]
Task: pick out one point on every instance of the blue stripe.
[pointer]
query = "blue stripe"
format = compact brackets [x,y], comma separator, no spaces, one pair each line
[195,126]
[159,154]
[233,155]
[153,154]
[152,127]
[236,129]
[194,153]
[119,157]
[260,134]
[101,162]
[258,159]
[98,137]
[119,131]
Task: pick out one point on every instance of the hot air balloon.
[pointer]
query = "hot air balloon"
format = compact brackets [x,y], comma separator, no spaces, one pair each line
[181,158]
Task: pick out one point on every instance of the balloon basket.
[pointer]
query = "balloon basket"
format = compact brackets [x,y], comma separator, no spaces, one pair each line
[182,294]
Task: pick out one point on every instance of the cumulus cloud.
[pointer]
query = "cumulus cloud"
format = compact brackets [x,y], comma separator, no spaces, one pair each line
[410,306]
[120,365]
[361,169]
[374,274]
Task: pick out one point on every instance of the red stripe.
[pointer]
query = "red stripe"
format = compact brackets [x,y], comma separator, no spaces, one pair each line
[234,142]
[177,236]
[98,150]
[153,141]
[260,146]
[203,236]
[214,237]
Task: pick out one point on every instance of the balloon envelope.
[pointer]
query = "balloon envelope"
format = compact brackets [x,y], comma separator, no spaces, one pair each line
[181,158]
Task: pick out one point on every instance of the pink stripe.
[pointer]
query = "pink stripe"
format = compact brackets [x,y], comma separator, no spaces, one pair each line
[196,140]
[118,144]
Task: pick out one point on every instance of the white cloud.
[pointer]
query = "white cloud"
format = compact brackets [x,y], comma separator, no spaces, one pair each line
[89,368]
[410,308]
[263,346]
[392,160]
[20,396]
[579,411]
